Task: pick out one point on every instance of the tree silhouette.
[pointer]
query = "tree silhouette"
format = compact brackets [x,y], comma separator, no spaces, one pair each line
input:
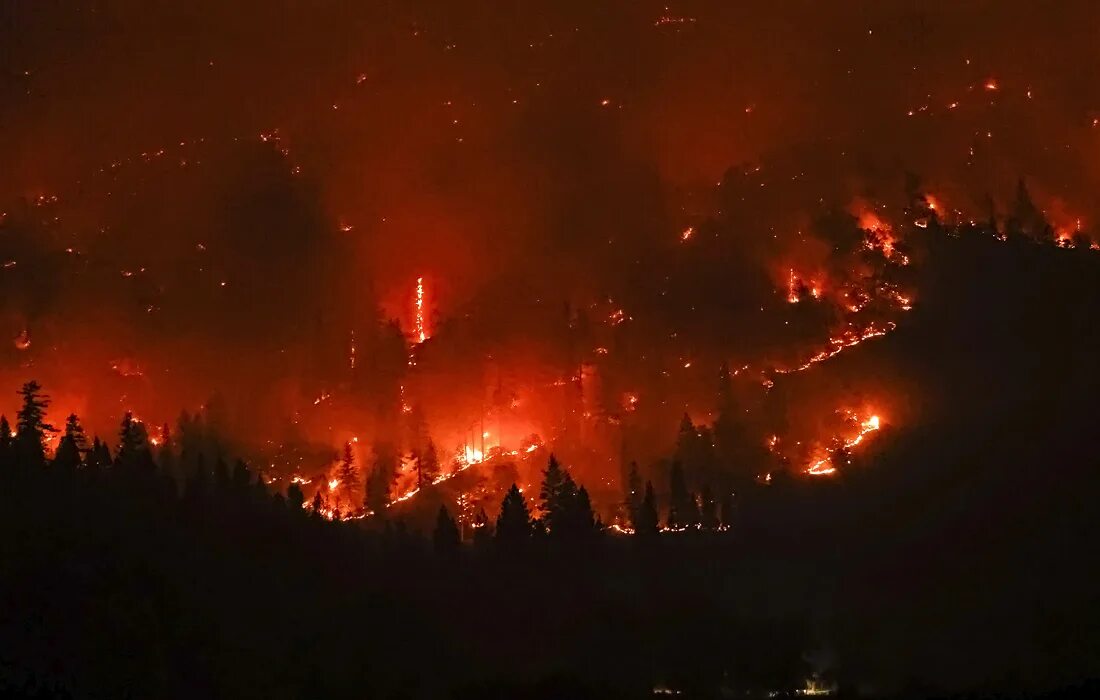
[559,498]
[482,530]
[381,478]
[679,506]
[348,474]
[295,498]
[708,509]
[99,457]
[7,445]
[647,514]
[633,501]
[133,447]
[445,535]
[725,510]
[514,521]
[71,445]
[583,520]
[31,427]
[428,463]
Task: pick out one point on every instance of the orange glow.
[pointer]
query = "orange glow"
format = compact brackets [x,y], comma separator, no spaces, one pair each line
[824,465]
[421,330]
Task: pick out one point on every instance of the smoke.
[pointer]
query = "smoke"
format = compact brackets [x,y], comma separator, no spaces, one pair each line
[244,189]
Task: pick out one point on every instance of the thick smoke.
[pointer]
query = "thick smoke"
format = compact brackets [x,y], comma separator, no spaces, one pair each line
[226,198]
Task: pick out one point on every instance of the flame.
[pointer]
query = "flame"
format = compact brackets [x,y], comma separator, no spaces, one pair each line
[824,465]
[421,331]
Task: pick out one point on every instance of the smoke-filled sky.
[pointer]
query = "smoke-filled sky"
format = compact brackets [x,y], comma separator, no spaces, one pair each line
[239,182]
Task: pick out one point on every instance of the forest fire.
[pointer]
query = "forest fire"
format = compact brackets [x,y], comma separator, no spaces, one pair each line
[826,465]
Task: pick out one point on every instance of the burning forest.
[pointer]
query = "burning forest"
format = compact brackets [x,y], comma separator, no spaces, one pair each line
[779,297]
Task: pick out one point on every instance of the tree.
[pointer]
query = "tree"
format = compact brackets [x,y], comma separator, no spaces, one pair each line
[133,447]
[679,508]
[381,478]
[583,520]
[725,510]
[445,535]
[633,494]
[295,499]
[647,513]
[482,531]
[165,455]
[31,426]
[71,445]
[348,474]
[428,463]
[514,521]
[708,509]
[558,496]
[99,457]
[7,445]
[241,478]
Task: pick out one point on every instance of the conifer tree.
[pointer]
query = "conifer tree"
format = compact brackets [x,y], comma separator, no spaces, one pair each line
[7,445]
[647,514]
[514,521]
[31,427]
[295,498]
[558,496]
[708,509]
[633,501]
[348,474]
[678,498]
[445,535]
[71,446]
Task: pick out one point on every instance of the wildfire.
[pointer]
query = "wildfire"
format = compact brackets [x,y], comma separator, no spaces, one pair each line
[421,323]
[848,339]
[824,465]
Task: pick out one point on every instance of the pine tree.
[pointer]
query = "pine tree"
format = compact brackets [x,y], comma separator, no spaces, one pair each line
[647,514]
[514,521]
[7,445]
[71,446]
[725,510]
[558,496]
[708,509]
[165,454]
[583,518]
[295,499]
[348,474]
[445,535]
[429,463]
[482,531]
[633,494]
[31,426]
[691,511]
[99,457]
[678,506]
[133,448]
[241,478]
[382,476]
